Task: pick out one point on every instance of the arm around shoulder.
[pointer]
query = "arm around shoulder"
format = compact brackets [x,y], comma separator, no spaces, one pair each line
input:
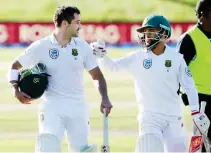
[100,51]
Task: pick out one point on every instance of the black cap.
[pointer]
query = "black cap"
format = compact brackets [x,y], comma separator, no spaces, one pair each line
[203,5]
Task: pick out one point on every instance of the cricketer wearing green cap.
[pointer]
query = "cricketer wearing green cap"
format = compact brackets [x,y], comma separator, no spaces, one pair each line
[157,70]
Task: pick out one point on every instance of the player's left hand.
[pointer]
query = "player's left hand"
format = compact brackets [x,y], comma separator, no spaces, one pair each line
[201,122]
[107,105]
[99,48]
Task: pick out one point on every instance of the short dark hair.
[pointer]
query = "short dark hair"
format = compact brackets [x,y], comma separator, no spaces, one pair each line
[203,6]
[65,13]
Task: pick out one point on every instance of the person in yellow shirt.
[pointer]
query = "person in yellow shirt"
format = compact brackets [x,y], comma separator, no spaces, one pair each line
[195,45]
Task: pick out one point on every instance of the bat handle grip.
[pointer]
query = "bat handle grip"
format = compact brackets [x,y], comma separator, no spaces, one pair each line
[203,105]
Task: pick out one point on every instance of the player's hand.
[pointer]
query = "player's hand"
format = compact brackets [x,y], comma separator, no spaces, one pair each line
[107,105]
[201,122]
[22,97]
[99,48]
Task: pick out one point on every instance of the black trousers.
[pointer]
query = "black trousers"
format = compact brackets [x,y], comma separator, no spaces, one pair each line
[207,98]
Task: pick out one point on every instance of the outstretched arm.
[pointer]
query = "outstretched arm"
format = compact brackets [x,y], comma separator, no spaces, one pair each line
[99,50]
[122,64]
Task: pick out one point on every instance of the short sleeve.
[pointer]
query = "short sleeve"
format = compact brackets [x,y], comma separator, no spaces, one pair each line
[31,56]
[186,47]
[90,60]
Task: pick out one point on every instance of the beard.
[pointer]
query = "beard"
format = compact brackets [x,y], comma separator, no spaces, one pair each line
[76,34]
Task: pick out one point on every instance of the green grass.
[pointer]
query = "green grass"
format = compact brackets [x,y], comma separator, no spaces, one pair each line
[117,144]
[122,118]
[26,121]
[106,10]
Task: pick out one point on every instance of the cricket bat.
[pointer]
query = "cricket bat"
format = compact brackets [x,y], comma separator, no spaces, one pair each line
[105,147]
[198,139]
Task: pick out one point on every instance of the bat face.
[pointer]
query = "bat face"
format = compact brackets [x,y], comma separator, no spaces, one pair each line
[105,148]
[195,144]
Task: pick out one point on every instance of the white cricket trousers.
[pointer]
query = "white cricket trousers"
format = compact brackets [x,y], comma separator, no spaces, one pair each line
[168,129]
[56,117]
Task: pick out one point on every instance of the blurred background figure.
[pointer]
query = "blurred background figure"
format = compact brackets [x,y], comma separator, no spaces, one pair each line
[195,45]
[23,22]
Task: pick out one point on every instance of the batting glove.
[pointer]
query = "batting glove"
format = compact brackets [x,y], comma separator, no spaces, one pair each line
[99,48]
[201,122]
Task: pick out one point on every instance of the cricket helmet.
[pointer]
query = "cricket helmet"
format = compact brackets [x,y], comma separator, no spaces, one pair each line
[156,22]
[34,81]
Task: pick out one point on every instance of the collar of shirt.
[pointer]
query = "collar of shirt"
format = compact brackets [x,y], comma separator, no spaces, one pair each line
[151,53]
[54,41]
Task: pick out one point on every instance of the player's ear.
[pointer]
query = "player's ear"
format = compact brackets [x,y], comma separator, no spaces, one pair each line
[203,14]
[64,23]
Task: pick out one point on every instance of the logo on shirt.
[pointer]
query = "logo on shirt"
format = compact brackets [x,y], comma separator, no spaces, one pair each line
[147,63]
[168,63]
[74,52]
[187,71]
[54,53]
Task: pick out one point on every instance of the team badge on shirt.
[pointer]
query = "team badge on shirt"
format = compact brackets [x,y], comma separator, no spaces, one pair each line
[74,52]
[187,71]
[168,63]
[147,63]
[54,53]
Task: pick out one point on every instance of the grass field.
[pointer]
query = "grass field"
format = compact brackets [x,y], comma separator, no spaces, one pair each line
[106,10]
[18,123]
